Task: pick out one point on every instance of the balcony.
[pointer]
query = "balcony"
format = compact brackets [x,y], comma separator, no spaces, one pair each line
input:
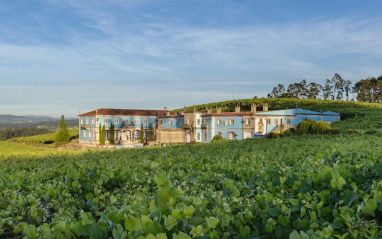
[186,126]
[128,125]
[204,126]
[85,126]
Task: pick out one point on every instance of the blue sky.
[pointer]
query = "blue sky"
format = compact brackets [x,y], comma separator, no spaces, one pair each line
[61,56]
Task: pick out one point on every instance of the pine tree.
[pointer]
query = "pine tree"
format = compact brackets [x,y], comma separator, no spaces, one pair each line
[100,134]
[102,140]
[111,137]
[63,133]
[151,132]
[141,139]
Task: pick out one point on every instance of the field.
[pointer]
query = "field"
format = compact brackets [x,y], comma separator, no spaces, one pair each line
[313,186]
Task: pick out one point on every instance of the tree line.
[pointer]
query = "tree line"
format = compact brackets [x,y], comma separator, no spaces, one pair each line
[367,90]
[6,134]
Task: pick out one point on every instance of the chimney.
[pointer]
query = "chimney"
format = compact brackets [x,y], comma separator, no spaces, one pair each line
[209,110]
[193,109]
[253,108]
[265,107]
[165,108]
[237,108]
[219,110]
[168,112]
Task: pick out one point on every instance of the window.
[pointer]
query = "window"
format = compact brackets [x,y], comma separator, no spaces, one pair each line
[116,121]
[289,121]
[248,121]
[93,121]
[260,126]
[178,122]
[107,134]
[220,122]
[170,122]
[225,122]
[105,121]
[276,121]
[231,135]
[188,121]
[205,135]
[126,120]
[160,121]
[87,120]
[136,121]
[84,133]
[268,121]
[219,133]
[231,122]
[198,121]
[116,135]
[198,136]
[94,135]
[83,121]
[90,134]
[145,121]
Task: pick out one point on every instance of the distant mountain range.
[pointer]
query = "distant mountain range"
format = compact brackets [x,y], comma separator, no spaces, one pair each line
[7,118]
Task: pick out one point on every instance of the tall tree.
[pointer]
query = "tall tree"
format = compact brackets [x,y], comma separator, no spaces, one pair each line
[151,132]
[141,138]
[111,136]
[327,92]
[63,133]
[314,90]
[102,137]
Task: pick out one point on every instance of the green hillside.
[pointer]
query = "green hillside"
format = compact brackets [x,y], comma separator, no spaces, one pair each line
[288,103]
[40,139]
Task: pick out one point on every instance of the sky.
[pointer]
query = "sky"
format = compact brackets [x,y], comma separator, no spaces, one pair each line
[65,56]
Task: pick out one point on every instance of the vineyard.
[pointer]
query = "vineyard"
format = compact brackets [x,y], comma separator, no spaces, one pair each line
[42,139]
[296,187]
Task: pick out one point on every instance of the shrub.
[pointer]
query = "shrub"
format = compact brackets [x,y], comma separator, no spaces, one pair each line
[272,135]
[333,131]
[352,131]
[370,132]
[305,126]
[319,127]
[217,138]
[288,132]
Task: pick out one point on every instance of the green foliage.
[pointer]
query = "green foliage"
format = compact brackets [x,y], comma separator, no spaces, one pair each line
[305,126]
[370,132]
[320,127]
[305,188]
[6,134]
[217,138]
[288,132]
[111,136]
[151,132]
[141,138]
[352,131]
[43,139]
[333,131]
[273,135]
[102,135]
[63,133]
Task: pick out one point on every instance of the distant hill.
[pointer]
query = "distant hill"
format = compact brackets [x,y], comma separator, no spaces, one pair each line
[8,121]
[7,118]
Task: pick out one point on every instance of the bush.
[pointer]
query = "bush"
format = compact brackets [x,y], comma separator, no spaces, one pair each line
[352,131]
[217,138]
[305,126]
[370,132]
[272,135]
[333,131]
[288,132]
[319,127]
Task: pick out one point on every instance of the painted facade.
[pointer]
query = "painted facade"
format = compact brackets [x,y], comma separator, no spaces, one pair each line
[195,126]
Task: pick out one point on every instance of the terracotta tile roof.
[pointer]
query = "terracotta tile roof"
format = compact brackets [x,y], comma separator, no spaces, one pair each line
[125,112]
[228,114]
[170,116]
